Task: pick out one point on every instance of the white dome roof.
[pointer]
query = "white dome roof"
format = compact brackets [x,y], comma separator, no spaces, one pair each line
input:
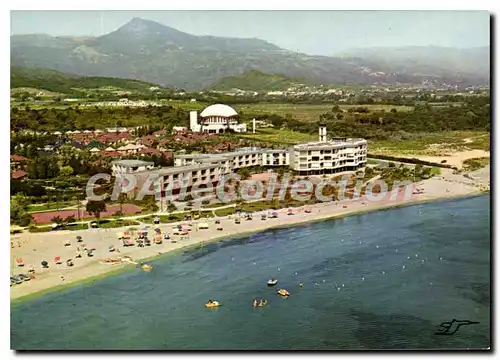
[218,110]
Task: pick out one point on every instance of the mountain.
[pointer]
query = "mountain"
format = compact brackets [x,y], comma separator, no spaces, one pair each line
[151,52]
[254,80]
[433,61]
[56,81]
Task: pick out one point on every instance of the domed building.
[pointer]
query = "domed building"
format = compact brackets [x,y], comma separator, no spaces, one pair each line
[216,119]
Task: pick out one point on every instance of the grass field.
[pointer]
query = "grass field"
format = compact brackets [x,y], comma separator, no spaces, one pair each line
[117,223]
[476,163]
[434,142]
[306,112]
[285,137]
[50,206]
[424,143]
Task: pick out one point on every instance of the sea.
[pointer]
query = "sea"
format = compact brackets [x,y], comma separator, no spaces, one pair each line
[414,277]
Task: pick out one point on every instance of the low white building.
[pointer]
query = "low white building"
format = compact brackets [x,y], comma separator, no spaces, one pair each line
[179,128]
[175,180]
[216,119]
[130,166]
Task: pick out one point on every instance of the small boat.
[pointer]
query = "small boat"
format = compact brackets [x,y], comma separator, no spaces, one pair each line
[283,292]
[272,282]
[212,304]
[112,261]
[146,267]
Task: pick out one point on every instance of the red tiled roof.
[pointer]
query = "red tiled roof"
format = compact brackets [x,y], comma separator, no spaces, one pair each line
[149,151]
[160,132]
[19,174]
[110,153]
[167,154]
[18,158]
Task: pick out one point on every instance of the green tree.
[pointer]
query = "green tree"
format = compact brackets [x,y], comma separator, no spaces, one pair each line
[66,171]
[96,208]
[70,219]
[57,219]
[19,210]
[171,207]
[121,199]
[244,173]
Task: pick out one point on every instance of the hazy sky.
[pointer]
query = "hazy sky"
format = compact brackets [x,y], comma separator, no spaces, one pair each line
[311,32]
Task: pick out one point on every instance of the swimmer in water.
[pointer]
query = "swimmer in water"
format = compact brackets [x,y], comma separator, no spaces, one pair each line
[254,302]
[301,285]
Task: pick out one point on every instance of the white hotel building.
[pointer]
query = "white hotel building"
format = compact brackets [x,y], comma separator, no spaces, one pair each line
[313,158]
[232,161]
[328,157]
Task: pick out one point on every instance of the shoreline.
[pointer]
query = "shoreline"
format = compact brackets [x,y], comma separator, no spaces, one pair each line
[96,271]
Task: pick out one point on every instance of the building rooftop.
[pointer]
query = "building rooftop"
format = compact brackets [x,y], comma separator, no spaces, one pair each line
[179,169]
[224,156]
[218,110]
[132,163]
[331,143]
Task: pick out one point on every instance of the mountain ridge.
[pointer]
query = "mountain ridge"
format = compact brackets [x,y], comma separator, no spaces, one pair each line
[59,82]
[149,51]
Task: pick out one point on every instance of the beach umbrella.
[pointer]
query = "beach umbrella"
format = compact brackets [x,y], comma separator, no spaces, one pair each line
[57,259]
[45,264]
[79,238]
[20,262]
[157,230]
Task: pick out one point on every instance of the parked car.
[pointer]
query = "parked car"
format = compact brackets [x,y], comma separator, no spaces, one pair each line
[15,280]
[24,277]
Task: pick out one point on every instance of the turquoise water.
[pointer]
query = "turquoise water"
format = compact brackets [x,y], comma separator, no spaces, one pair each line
[356,293]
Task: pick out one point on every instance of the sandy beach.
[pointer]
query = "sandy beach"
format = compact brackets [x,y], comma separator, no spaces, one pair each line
[35,248]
